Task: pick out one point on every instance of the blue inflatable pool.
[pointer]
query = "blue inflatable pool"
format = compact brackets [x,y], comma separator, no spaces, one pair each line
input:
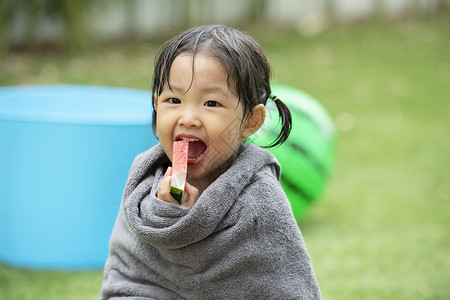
[65,152]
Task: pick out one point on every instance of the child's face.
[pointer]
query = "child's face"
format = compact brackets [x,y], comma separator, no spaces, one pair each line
[202,108]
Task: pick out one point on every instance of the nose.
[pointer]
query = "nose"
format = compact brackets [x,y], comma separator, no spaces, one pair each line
[190,117]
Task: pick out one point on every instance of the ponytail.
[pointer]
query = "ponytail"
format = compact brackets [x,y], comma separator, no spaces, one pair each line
[286,121]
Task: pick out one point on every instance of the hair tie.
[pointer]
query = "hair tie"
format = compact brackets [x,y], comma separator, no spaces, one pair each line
[273,97]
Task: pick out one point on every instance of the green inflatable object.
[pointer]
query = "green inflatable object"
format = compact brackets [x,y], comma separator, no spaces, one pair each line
[307,156]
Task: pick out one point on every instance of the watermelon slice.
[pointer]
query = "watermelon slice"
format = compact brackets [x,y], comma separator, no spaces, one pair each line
[179,168]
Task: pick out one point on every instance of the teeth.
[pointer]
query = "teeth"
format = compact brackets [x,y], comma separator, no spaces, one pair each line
[190,139]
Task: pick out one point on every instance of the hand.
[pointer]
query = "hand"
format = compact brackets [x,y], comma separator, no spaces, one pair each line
[190,194]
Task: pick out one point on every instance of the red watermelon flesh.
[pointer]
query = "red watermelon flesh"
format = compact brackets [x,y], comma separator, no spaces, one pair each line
[180,151]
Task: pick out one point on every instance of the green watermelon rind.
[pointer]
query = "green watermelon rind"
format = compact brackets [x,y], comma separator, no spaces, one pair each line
[176,193]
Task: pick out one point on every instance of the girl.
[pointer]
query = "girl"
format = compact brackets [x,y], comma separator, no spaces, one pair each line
[233,236]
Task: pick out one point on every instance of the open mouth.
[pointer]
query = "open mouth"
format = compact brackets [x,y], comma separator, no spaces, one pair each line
[196,149]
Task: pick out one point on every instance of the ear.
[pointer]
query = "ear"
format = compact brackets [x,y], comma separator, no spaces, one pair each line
[254,121]
[155,102]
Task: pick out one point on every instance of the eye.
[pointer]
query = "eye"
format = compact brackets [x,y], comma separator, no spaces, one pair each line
[174,100]
[212,103]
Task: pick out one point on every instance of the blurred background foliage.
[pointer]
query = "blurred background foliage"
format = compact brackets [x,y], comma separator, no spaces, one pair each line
[73,26]
[71,18]
[380,68]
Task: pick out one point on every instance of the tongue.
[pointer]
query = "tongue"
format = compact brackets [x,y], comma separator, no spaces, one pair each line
[196,149]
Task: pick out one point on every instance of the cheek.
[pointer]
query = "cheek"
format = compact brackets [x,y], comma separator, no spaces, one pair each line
[164,129]
[165,140]
[163,119]
[227,137]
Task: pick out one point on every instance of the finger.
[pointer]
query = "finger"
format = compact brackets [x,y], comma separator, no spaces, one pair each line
[168,172]
[164,188]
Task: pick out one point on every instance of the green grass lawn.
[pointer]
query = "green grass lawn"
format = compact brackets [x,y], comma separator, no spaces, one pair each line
[380,231]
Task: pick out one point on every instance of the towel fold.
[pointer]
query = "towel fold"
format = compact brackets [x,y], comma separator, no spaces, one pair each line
[239,241]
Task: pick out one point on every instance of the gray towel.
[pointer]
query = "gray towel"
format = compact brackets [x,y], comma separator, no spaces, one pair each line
[239,241]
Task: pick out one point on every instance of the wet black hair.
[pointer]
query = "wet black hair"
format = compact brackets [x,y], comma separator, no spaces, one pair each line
[247,67]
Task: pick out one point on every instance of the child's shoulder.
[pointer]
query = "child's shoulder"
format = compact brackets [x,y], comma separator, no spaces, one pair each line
[263,160]
[153,154]
[264,184]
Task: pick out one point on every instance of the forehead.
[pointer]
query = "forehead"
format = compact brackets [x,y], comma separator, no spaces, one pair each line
[199,70]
